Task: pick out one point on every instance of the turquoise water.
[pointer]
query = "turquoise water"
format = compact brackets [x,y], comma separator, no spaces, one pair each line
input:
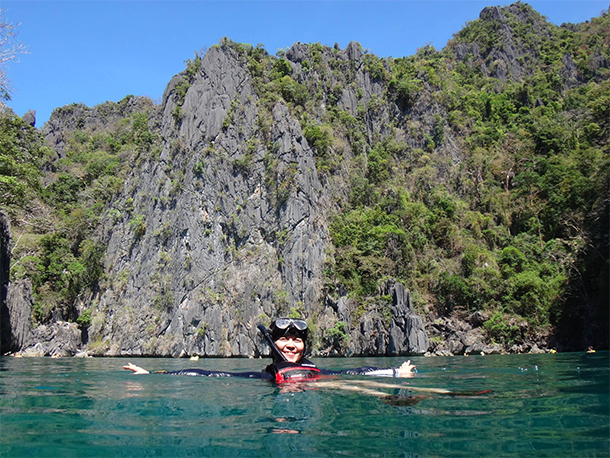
[542,405]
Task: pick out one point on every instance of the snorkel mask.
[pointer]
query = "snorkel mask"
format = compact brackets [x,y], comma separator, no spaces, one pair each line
[284,327]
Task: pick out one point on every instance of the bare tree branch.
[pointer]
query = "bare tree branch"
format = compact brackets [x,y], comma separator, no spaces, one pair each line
[9,50]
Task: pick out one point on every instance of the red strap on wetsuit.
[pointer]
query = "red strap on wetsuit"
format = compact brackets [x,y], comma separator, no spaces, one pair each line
[296,373]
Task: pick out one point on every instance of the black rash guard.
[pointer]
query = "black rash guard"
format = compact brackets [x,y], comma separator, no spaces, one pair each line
[284,371]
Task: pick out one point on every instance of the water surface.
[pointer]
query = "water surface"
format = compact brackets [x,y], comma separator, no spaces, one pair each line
[541,405]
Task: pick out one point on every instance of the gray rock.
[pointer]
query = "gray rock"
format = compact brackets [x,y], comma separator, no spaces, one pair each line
[20,301]
[16,299]
[535,350]
[480,348]
[456,336]
[5,263]
[492,13]
[244,246]
[56,339]
[298,52]
[478,318]
[354,51]
[407,331]
[30,118]
[66,120]
[373,334]
[509,58]
[454,346]
[569,73]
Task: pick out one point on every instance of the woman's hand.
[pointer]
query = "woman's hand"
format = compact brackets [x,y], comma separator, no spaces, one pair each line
[406,369]
[136,369]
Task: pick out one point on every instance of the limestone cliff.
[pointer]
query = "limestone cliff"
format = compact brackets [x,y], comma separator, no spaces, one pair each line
[15,298]
[5,261]
[226,228]
[318,183]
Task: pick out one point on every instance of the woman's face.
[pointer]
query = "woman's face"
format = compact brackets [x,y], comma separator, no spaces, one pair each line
[291,347]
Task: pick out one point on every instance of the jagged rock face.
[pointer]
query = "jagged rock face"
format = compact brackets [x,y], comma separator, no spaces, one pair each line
[5,262]
[30,118]
[219,249]
[509,58]
[20,301]
[228,227]
[401,331]
[16,299]
[407,332]
[223,220]
[66,120]
[56,339]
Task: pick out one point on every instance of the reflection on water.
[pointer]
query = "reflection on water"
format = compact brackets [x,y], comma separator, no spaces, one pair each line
[541,405]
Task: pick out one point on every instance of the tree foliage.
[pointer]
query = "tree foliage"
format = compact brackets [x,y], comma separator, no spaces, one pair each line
[519,226]
[53,224]
[477,175]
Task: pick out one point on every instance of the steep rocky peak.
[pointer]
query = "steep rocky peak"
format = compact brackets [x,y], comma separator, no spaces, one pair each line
[299,52]
[227,217]
[492,13]
[505,42]
[518,11]
[196,102]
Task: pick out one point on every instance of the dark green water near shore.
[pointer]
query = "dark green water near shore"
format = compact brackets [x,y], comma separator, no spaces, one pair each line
[541,405]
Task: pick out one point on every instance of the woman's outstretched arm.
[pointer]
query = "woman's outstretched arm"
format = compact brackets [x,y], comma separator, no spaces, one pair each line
[194,372]
[136,369]
[405,370]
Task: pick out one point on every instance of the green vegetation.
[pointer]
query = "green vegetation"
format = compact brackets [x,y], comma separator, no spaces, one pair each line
[53,225]
[21,158]
[518,225]
[337,335]
[182,86]
[477,176]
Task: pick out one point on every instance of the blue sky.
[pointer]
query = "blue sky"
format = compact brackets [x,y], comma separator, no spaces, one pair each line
[92,51]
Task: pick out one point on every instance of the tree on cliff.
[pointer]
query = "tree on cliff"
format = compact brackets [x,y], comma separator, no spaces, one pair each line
[9,50]
[476,176]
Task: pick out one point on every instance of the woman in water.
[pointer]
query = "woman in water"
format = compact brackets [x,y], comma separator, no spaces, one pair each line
[287,338]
